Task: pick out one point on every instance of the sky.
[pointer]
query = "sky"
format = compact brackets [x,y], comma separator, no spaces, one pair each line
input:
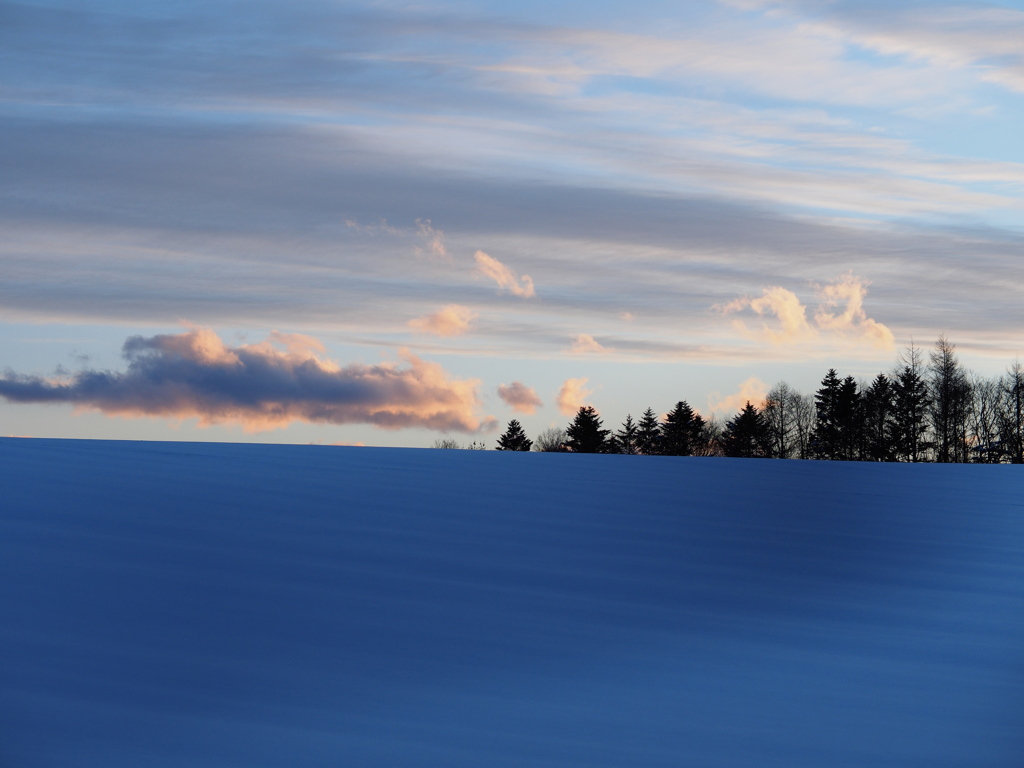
[382,223]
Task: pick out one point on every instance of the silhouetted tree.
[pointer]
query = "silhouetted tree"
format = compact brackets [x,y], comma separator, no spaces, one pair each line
[1011,430]
[746,435]
[826,438]
[551,440]
[447,443]
[514,439]
[680,430]
[878,420]
[985,421]
[910,406]
[780,419]
[949,406]
[585,434]
[624,441]
[648,434]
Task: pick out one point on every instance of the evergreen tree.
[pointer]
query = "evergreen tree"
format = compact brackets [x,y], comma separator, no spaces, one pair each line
[878,420]
[514,439]
[648,434]
[625,439]
[910,407]
[680,431]
[826,438]
[746,435]
[585,433]
[849,420]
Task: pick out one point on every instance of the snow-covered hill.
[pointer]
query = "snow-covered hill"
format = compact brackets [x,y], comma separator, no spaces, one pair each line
[169,604]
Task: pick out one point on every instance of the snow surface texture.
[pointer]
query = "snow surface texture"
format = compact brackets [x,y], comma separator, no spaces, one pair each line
[169,604]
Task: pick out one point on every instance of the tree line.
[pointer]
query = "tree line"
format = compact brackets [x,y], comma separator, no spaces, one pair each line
[921,410]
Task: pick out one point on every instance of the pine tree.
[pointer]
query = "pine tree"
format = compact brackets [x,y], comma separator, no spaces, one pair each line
[648,434]
[746,435]
[624,440]
[585,433]
[514,439]
[680,431]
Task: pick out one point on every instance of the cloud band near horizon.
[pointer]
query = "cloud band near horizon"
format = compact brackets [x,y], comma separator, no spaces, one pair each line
[261,386]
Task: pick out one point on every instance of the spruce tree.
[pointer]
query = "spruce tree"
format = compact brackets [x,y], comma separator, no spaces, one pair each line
[746,435]
[514,439]
[648,434]
[624,441]
[680,431]
[825,440]
[585,433]
[878,420]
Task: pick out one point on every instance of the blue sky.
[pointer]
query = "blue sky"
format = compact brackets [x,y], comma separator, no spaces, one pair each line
[667,200]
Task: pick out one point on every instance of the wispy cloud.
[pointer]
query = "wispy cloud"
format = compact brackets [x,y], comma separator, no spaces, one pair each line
[520,397]
[262,386]
[573,395]
[433,240]
[584,343]
[840,315]
[452,320]
[505,278]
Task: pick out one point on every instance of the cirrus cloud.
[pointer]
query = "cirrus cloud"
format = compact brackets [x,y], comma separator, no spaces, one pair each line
[520,397]
[261,386]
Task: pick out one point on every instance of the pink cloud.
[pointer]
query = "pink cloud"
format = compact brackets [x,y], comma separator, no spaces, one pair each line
[573,395]
[840,316]
[262,386]
[452,320]
[584,343]
[505,278]
[753,390]
[520,397]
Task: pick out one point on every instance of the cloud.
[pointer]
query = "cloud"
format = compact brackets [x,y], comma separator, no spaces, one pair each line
[848,292]
[503,276]
[784,306]
[261,386]
[452,320]
[839,316]
[520,397]
[585,343]
[573,395]
[753,390]
[434,240]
